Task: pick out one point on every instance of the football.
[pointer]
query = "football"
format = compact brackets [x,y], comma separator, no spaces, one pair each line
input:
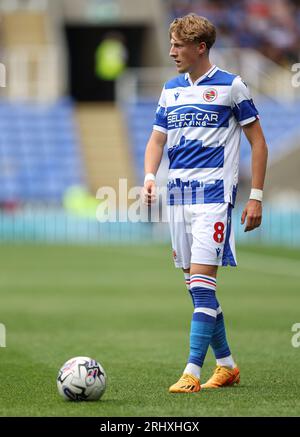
[81,379]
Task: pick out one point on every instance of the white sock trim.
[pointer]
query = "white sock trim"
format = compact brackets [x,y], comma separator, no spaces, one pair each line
[187,278]
[226,361]
[219,310]
[193,369]
[203,281]
[208,311]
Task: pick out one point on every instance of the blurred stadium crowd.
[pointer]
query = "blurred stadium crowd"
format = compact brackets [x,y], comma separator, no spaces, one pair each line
[270,26]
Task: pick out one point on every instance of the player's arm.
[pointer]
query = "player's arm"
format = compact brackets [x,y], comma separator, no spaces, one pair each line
[153,156]
[253,209]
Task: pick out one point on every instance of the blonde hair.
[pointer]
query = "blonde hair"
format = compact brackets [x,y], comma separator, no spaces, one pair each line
[194,28]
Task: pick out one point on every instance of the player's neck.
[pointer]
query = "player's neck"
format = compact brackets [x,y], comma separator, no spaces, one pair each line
[201,69]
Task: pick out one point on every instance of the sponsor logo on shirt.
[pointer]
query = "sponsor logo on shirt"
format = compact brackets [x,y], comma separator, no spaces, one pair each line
[210,95]
[192,116]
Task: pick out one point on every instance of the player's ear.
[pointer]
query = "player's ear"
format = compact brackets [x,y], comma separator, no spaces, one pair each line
[202,47]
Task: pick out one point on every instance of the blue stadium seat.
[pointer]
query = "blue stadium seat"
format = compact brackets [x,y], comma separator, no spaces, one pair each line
[39,151]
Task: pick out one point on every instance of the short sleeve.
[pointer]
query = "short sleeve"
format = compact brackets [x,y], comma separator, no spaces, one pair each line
[161,122]
[242,104]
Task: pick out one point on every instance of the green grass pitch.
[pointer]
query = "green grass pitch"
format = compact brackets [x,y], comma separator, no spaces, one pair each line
[128,308]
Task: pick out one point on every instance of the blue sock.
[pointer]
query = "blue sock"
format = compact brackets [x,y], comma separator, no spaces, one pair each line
[218,341]
[202,289]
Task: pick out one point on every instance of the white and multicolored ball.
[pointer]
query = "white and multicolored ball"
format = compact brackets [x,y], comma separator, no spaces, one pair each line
[81,379]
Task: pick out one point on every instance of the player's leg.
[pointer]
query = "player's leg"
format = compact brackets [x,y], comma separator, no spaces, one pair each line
[209,227]
[202,290]
[187,278]
[180,222]
[226,372]
[219,341]
[219,344]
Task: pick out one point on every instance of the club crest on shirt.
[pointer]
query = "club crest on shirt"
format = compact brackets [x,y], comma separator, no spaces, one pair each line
[210,95]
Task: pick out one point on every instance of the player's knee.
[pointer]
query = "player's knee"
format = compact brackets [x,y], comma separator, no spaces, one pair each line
[203,269]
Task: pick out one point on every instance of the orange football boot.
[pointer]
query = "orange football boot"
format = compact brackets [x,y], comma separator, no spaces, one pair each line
[186,384]
[223,377]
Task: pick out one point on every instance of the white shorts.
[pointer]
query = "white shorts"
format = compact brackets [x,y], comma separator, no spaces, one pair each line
[202,234]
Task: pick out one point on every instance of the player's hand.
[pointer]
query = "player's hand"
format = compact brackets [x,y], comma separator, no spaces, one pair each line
[253,214]
[149,193]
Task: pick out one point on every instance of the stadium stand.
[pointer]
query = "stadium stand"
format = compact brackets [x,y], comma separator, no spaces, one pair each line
[104,145]
[280,127]
[39,151]
[140,117]
[271,27]
[31,28]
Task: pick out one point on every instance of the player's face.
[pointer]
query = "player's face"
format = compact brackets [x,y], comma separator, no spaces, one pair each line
[185,54]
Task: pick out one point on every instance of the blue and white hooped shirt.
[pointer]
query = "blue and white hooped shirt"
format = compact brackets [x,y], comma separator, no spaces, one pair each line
[203,122]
